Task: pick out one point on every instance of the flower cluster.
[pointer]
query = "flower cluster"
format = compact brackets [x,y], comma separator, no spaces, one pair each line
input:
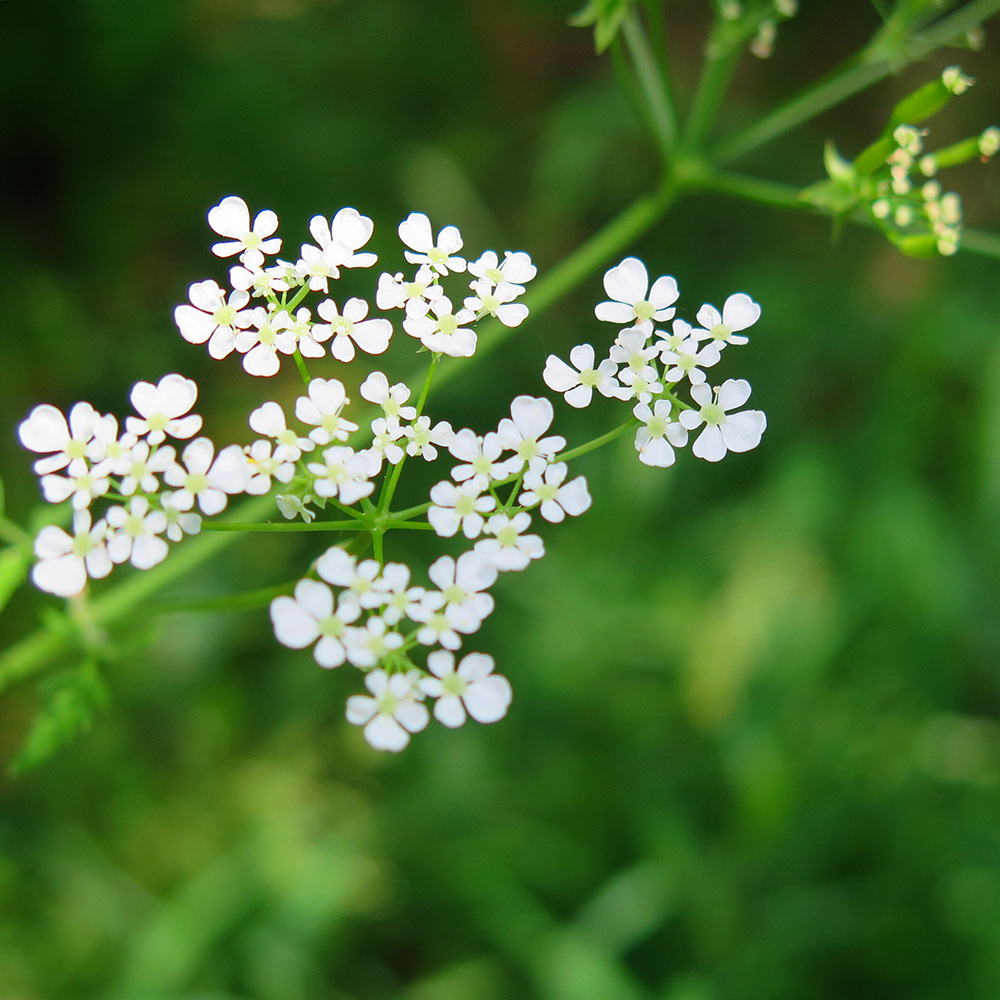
[324,462]
[647,366]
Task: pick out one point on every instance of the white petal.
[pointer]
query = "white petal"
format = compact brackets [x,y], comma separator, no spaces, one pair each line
[558,375]
[449,711]
[742,431]
[740,311]
[488,699]
[415,232]
[664,292]
[614,312]
[628,281]
[710,445]
[734,392]
[45,430]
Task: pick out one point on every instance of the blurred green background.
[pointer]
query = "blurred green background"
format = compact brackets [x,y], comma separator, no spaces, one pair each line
[754,751]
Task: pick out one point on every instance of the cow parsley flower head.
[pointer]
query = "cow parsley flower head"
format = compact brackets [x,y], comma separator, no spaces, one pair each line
[739,312]
[579,382]
[213,318]
[393,710]
[472,688]
[162,408]
[635,303]
[66,562]
[312,614]
[723,431]
[231,218]
[415,231]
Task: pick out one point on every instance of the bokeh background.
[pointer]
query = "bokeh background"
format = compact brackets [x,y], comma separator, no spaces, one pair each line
[754,752]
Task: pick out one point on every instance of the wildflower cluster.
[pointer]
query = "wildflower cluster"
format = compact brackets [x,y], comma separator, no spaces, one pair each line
[895,180]
[332,469]
[646,367]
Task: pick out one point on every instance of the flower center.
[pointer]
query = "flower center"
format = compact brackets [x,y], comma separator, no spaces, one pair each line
[657,427]
[332,626]
[436,256]
[720,331]
[527,449]
[454,594]
[464,506]
[196,482]
[454,684]
[447,324]
[134,525]
[546,491]
[158,422]
[713,414]
[494,274]
[490,303]
[83,545]
[644,310]
[76,448]
[224,316]
[589,377]
[507,536]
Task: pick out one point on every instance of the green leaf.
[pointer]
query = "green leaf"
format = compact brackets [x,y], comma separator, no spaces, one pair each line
[837,168]
[831,196]
[916,245]
[921,104]
[70,701]
[607,17]
[874,157]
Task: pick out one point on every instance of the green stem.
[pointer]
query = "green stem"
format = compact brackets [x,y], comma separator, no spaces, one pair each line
[722,53]
[14,534]
[301,365]
[287,526]
[884,55]
[653,85]
[233,602]
[582,449]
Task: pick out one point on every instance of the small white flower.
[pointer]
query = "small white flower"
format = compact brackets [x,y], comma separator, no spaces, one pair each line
[65,562]
[653,441]
[515,270]
[338,567]
[291,507]
[370,645]
[446,333]
[462,583]
[498,301]
[179,522]
[260,281]
[321,408]
[630,349]
[351,327]
[348,231]
[211,318]
[46,432]
[269,333]
[394,587]
[686,359]
[640,385]
[300,620]
[140,468]
[739,312]
[386,431]
[231,218]
[415,232]
[473,688]
[436,628]
[262,466]
[393,711]
[510,548]
[269,420]
[459,506]
[376,389]
[421,437]
[395,292]
[481,455]
[578,383]
[738,432]
[82,488]
[530,417]
[557,497]
[207,478]
[308,338]
[345,474]
[161,409]
[136,534]
[627,284]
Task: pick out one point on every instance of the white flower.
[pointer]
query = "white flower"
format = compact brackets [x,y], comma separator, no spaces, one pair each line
[136,534]
[630,350]
[371,335]
[686,359]
[46,432]
[739,432]
[362,579]
[393,711]
[578,383]
[454,506]
[672,341]
[739,312]
[472,688]
[317,266]
[269,333]
[262,466]
[179,522]
[447,333]
[260,281]
[415,232]
[308,338]
[207,481]
[557,497]
[394,587]
[371,644]
[386,431]
[421,437]
[231,218]
[66,561]
[436,628]
[640,385]
[627,285]
[321,408]
[300,620]
[348,231]
[481,456]
[83,488]
[395,292]
[161,409]
[510,549]
[530,418]
[140,468]
[498,301]
[212,318]
[291,506]
[376,389]
[269,420]
[345,474]
[462,583]
[653,441]
[515,270]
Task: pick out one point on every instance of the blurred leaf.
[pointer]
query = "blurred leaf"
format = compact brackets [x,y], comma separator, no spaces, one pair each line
[831,196]
[607,17]
[70,703]
[13,572]
[837,168]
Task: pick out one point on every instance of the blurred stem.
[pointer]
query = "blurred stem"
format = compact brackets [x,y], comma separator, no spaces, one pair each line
[888,52]
[722,53]
[653,85]
[233,602]
[286,526]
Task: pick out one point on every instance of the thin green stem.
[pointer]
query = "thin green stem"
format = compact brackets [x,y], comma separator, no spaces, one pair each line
[410,512]
[886,54]
[14,534]
[301,365]
[232,602]
[286,526]
[722,53]
[566,456]
[653,85]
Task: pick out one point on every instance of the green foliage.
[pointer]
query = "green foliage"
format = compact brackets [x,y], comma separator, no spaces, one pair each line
[607,17]
[69,702]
